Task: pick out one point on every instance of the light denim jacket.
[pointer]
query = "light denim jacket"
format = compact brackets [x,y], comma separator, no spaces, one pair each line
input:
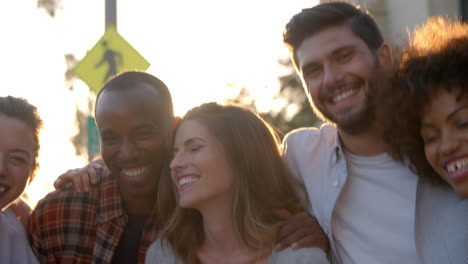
[316,157]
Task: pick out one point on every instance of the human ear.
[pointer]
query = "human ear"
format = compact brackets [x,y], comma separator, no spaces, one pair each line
[384,55]
[32,174]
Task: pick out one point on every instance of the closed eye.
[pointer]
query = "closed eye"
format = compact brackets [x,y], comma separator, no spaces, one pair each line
[18,160]
[344,55]
[195,148]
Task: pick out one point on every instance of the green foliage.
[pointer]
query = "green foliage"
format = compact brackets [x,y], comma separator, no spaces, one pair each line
[292,92]
[50,6]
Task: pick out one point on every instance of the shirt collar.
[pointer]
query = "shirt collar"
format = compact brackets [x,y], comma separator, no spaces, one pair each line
[110,204]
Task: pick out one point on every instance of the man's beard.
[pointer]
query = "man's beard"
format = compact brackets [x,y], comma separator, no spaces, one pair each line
[364,119]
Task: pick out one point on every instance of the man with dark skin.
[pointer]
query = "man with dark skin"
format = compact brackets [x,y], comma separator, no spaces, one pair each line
[112,223]
[135,121]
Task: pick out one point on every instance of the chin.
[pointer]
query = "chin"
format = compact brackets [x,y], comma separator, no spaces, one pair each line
[187,203]
[463,192]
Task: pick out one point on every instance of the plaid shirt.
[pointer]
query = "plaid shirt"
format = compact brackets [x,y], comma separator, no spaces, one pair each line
[71,227]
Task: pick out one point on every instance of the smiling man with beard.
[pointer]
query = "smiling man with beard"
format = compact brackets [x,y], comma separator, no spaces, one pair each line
[372,207]
[112,222]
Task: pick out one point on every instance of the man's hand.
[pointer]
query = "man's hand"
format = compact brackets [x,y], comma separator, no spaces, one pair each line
[300,230]
[81,178]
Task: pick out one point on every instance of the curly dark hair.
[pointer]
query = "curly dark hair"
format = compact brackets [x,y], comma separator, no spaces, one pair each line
[436,58]
[22,110]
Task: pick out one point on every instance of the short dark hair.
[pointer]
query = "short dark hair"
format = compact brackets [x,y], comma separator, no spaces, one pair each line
[313,20]
[435,59]
[21,109]
[131,79]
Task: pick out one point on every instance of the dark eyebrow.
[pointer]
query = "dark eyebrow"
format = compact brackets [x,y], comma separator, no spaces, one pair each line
[450,116]
[461,108]
[426,126]
[331,54]
[146,126]
[191,140]
[342,48]
[105,132]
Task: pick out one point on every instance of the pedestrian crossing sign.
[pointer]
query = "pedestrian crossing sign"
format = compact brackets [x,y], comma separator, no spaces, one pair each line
[112,54]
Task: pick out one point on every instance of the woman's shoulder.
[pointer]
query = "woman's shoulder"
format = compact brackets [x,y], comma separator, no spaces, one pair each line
[310,255]
[21,209]
[160,251]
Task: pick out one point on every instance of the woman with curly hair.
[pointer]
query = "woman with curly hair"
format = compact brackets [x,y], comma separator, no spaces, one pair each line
[424,113]
[228,178]
[19,147]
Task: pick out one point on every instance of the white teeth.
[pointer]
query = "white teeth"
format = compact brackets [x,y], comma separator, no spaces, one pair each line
[186,180]
[2,189]
[134,172]
[344,95]
[457,165]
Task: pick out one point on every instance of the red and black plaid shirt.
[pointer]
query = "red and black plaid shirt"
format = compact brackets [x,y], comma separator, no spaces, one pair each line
[71,227]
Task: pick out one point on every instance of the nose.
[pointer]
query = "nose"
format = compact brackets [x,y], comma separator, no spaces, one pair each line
[449,143]
[128,150]
[332,74]
[178,161]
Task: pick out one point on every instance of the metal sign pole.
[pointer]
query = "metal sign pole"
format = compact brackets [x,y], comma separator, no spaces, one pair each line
[111,13]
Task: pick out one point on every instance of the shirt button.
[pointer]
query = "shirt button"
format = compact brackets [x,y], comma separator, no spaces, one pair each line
[335,183]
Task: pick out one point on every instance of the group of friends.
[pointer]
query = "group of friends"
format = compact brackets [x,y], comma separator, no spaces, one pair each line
[384,180]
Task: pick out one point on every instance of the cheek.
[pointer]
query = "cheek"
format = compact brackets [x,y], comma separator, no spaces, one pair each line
[157,148]
[431,155]
[21,179]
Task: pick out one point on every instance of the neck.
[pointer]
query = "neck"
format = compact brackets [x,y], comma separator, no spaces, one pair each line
[139,205]
[367,143]
[219,229]
[222,244]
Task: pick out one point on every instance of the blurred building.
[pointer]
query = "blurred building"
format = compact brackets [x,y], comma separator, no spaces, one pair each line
[396,17]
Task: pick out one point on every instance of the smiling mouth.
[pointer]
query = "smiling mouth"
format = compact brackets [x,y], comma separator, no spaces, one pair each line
[186,180]
[344,95]
[346,90]
[135,172]
[457,166]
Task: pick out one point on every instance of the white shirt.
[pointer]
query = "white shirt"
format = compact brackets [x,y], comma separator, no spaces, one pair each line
[316,158]
[373,220]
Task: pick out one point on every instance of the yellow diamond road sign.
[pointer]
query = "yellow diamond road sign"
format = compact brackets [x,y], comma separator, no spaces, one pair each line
[111,55]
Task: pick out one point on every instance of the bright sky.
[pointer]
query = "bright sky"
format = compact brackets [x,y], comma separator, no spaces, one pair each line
[198,48]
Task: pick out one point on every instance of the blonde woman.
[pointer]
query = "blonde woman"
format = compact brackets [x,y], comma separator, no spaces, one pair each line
[228,178]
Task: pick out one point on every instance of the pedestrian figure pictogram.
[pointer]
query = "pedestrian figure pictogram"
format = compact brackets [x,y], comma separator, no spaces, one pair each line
[112,58]
[111,55]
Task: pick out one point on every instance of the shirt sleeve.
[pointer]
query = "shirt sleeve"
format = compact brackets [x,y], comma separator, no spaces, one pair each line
[161,253]
[35,237]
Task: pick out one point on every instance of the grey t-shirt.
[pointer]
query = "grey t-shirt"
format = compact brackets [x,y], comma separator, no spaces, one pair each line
[14,247]
[158,253]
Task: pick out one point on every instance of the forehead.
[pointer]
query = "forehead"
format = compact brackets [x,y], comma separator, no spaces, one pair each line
[142,102]
[15,135]
[192,129]
[321,44]
[443,101]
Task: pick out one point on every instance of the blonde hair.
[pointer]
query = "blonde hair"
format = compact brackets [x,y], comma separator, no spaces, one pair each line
[263,182]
